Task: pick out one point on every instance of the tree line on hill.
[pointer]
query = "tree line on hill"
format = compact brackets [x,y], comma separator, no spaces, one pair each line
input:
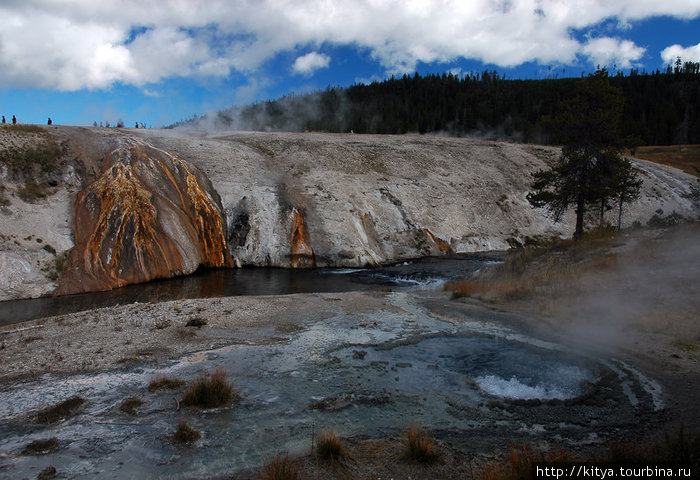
[660,107]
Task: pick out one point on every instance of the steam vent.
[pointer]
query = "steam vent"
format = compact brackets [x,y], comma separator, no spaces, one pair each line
[149,215]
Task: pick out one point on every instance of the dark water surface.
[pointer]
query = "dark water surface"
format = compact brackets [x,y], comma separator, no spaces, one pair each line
[422,273]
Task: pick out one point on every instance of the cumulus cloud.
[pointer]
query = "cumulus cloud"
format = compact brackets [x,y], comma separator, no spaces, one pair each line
[309,63]
[687,54]
[612,51]
[74,44]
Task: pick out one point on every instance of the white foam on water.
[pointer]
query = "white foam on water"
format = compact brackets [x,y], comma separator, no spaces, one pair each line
[515,389]
[343,271]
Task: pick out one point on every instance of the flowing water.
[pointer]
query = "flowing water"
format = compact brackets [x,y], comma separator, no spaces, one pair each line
[359,374]
[356,378]
[420,273]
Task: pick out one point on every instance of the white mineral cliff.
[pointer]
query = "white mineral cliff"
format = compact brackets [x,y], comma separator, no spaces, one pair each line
[311,199]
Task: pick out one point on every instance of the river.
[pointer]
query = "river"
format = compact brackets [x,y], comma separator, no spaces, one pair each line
[428,272]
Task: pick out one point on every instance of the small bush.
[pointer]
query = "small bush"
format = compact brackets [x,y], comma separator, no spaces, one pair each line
[164,383]
[131,405]
[280,468]
[185,435]
[32,191]
[39,447]
[4,201]
[49,473]
[330,448]
[419,446]
[210,392]
[60,411]
[520,463]
[196,322]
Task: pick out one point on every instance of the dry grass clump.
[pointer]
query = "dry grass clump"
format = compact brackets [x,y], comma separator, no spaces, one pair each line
[49,473]
[520,463]
[60,411]
[330,449]
[39,447]
[32,191]
[419,446]
[131,405]
[210,392]
[198,322]
[280,468]
[165,383]
[185,435]
[553,264]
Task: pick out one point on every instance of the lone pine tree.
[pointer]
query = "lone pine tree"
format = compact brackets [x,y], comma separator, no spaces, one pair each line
[590,171]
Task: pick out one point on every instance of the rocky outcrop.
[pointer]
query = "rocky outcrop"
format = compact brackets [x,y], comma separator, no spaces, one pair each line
[132,205]
[149,215]
[375,199]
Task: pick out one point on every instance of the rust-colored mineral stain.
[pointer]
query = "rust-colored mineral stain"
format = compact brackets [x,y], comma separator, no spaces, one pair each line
[126,219]
[209,225]
[302,253]
[442,245]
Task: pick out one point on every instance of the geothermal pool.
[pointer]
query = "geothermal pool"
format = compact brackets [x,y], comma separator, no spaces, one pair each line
[360,374]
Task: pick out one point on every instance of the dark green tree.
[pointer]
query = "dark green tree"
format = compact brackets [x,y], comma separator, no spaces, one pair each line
[585,174]
[626,185]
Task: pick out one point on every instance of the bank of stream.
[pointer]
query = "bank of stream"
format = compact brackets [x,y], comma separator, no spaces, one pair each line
[364,364]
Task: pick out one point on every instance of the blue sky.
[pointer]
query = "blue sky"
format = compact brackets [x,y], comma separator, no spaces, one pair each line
[157,62]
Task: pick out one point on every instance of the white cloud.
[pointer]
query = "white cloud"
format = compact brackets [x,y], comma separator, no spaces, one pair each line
[74,44]
[687,54]
[309,63]
[607,52]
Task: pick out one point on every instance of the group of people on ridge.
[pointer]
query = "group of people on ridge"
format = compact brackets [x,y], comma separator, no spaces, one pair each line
[14,120]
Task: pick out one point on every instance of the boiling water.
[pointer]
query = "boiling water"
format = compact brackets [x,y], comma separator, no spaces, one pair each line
[358,374]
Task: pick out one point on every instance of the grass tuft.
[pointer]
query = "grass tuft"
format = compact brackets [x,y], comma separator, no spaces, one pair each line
[330,449]
[165,383]
[39,447]
[60,411]
[131,405]
[280,468]
[520,463]
[548,265]
[49,473]
[210,392]
[198,322]
[419,446]
[185,435]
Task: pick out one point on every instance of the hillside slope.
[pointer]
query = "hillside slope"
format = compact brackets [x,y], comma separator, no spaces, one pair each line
[308,199]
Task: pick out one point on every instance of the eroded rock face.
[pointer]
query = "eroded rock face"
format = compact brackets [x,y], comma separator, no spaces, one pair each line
[149,215]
